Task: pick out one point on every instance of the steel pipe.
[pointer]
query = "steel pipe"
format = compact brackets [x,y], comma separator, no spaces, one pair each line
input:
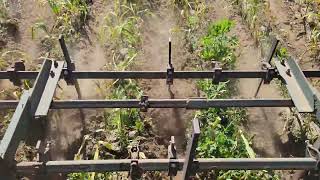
[160,103]
[163,165]
[156,74]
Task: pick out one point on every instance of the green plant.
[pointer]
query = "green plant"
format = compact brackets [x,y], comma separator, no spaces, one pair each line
[3,10]
[222,137]
[217,45]
[71,16]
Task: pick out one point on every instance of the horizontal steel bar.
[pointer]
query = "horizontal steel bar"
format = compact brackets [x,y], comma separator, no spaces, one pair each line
[160,103]
[163,165]
[156,74]
[16,130]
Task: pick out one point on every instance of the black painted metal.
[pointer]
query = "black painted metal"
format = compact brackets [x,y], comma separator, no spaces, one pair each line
[188,166]
[160,103]
[225,74]
[115,165]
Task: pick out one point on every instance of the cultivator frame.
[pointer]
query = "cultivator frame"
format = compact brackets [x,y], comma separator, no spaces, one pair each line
[32,109]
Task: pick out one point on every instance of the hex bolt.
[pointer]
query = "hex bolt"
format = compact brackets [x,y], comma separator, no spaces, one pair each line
[52,74]
[288,72]
[55,64]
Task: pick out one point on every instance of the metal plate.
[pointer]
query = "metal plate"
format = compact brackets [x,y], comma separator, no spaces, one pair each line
[49,89]
[297,85]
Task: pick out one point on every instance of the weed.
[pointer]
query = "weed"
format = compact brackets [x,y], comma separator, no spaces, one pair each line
[71,15]
[3,10]
[222,137]
[217,45]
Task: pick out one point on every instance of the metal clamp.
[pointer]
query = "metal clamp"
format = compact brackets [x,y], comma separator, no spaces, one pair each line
[217,71]
[144,103]
[271,72]
[172,154]
[170,72]
[135,172]
[18,66]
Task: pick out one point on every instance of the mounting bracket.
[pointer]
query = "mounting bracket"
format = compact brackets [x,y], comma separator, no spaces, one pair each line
[188,166]
[217,71]
[70,66]
[18,66]
[172,155]
[135,172]
[144,103]
[297,85]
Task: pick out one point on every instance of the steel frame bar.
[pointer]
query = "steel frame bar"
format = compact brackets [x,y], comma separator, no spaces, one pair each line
[46,94]
[163,165]
[160,103]
[188,166]
[225,74]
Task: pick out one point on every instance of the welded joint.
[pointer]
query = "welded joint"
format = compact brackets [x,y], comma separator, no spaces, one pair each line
[18,66]
[170,72]
[217,71]
[144,103]
[172,155]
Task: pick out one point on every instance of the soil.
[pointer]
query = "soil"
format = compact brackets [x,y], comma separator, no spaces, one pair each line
[288,23]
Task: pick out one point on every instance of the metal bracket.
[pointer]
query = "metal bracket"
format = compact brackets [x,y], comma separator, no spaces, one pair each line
[135,172]
[217,71]
[266,64]
[172,154]
[18,66]
[297,85]
[188,166]
[170,72]
[271,72]
[144,103]
[70,66]
[170,68]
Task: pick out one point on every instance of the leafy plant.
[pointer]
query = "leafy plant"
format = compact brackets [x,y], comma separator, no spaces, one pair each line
[221,136]
[217,45]
[3,10]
